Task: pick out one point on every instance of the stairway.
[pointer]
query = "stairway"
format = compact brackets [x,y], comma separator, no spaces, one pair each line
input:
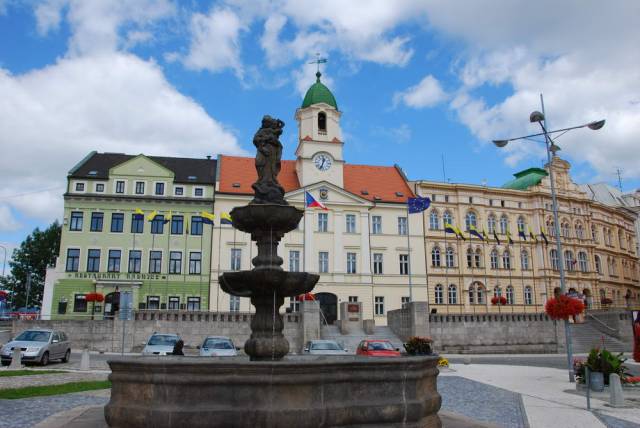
[585,337]
[350,341]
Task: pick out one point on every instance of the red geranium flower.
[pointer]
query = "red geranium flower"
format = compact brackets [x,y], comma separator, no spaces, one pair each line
[563,307]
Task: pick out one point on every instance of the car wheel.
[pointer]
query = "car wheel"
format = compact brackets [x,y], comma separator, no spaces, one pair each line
[67,355]
[6,363]
[45,359]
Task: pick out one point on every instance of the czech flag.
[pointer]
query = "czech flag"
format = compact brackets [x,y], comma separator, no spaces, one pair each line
[310,202]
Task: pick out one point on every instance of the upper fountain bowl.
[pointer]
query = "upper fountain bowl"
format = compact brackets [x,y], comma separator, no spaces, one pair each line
[266,217]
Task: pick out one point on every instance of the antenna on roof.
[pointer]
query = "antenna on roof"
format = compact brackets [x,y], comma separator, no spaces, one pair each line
[619,172]
[318,61]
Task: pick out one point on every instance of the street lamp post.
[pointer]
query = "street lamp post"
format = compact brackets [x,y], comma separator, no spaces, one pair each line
[4,263]
[538,117]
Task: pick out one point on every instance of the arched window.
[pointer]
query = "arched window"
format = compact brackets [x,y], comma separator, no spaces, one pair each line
[470,220]
[528,295]
[582,261]
[497,291]
[472,294]
[510,296]
[598,264]
[579,231]
[478,257]
[569,261]
[450,258]
[506,259]
[551,228]
[491,224]
[480,294]
[469,257]
[494,259]
[524,259]
[603,293]
[594,233]
[521,224]
[447,218]
[322,121]
[504,224]
[435,257]
[434,220]
[554,259]
[438,296]
[453,295]
[564,230]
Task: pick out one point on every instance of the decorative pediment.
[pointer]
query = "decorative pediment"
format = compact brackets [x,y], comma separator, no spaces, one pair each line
[141,166]
[327,193]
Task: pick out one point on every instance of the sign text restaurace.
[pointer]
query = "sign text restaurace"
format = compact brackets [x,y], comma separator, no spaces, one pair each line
[114,275]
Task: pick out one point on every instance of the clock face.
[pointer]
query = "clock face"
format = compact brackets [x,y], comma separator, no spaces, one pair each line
[322,161]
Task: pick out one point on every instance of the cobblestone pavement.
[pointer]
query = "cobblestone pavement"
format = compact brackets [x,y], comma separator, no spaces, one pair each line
[613,422]
[29,411]
[49,379]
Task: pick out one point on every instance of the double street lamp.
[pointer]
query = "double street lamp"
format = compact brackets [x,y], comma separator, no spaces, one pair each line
[552,148]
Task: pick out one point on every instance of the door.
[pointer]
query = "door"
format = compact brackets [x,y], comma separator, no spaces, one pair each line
[111,304]
[56,346]
[328,306]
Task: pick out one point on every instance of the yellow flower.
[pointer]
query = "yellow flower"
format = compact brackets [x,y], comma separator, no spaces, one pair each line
[443,362]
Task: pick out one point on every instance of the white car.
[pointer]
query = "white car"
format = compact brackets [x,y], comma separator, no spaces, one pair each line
[218,346]
[324,347]
[38,346]
[160,344]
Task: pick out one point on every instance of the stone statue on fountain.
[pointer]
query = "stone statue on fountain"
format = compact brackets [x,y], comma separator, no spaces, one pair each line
[269,152]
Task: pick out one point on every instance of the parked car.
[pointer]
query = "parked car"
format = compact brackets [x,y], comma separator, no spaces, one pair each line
[39,346]
[218,346]
[324,347]
[377,348]
[160,344]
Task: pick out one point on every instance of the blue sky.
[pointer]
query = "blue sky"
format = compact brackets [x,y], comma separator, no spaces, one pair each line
[416,80]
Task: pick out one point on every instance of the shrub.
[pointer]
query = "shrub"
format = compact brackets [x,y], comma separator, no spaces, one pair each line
[563,307]
[419,346]
[601,360]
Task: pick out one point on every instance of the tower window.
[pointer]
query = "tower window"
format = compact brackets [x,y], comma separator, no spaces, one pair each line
[322,121]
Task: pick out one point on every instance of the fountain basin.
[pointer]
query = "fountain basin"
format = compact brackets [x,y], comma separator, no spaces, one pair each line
[264,282]
[301,392]
[266,218]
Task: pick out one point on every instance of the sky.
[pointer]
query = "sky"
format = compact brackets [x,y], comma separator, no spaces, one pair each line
[423,84]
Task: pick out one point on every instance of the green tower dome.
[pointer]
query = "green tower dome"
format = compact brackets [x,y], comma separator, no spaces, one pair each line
[318,93]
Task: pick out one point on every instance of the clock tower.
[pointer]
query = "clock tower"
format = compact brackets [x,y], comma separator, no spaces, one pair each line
[319,153]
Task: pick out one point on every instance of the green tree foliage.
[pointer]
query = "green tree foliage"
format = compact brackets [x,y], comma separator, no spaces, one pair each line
[36,252]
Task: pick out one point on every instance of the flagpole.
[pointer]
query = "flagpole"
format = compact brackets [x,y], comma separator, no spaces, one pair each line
[510,268]
[486,283]
[460,275]
[446,272]
[408,257]
[219,257]
[304,231]
[168,255]
[521,267]
[533,271]
[373,312]
[424,244]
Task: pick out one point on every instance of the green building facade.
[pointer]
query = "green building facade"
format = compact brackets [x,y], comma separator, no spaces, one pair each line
[133,224]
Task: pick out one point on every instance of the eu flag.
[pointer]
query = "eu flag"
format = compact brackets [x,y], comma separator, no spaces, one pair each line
[417,205]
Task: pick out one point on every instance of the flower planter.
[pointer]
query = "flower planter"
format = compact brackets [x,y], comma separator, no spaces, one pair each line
[596,381]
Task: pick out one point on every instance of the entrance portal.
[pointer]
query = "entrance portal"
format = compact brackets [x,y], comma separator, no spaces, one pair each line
[328,306]
[111,304]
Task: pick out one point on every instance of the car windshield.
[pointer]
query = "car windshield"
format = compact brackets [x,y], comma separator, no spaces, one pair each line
[218,344]
[380,346]
[325,346]
[162,340]
[34,336]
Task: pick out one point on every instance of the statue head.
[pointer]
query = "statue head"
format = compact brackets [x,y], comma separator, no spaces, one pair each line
[276,125]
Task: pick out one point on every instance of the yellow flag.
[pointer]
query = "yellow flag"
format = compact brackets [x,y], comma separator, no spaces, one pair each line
[152,215]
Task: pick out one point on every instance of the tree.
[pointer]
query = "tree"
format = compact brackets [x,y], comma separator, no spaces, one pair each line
[36,252]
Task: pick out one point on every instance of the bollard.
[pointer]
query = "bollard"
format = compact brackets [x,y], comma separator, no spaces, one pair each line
[84,361]
[16,359]
[616,397]
[467,360]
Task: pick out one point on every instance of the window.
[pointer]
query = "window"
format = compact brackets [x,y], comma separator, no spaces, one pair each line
[438,294]
[569,261]
[96,222]
[452,295]
[113,264]
[564,229]
[470,199]
[234,304]
[435,257]
[582,261]
[198,192]
[506,260]
[322,121]
[157,225]
[404,264]
[195,263]
[450,257]
[177,224]
[510,297]
[79,303]
[480,294]
[594,233]
[377,263]
[99,188]
[120,186]
[469,257]
[135,261]
[193,303]
[294,261]
[504,224]
[376,224]
[294,304]
[447,218]
[502,203]
[472,295]
[446,198]
[196,226]
[323,262]
[491,224]
[73,260]
[174,303]
[478,258]
[236,258]
[470,220]
[93,261]
[379,305]
[598,264]
[79,187]
[323,222]
[117,222]
[178,191]
[351,262]
[494,259]
[139,187]
[554,259]
[404,301]
[528,295]
[524,259]
[497,292]
[402,225]
[579,231]
[153,302]
[353,299]
[434,220]
[137,223]
[175,262]
[351,223]
[155,261]
[521,224]
[160,189]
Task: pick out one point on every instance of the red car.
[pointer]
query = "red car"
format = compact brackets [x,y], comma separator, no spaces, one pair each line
[377,348]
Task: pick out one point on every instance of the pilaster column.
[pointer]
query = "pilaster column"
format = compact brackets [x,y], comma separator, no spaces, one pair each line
[338,248]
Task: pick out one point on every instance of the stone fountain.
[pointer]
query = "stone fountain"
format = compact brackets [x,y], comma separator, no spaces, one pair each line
[272,389]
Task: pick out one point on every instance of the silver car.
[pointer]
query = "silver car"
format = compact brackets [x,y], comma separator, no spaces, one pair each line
[324,347]
[160,344]
[39,346]
[218,346]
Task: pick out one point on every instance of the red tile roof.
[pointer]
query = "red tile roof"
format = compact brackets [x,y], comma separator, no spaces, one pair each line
[379,182]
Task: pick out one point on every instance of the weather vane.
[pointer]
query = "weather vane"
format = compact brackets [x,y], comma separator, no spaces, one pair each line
[319,61]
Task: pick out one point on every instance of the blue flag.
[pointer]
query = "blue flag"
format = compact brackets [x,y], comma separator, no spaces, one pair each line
[417,205]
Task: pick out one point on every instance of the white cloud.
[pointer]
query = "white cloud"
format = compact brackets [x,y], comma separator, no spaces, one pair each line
[427,93]
[400,134]
[8,222]
[113,102]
